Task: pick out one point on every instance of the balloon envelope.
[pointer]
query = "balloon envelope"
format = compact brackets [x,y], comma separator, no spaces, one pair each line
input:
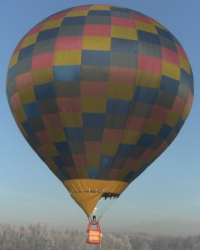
[99,92]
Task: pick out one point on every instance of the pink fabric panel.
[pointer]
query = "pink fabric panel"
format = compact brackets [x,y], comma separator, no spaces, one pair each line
[147,154]
[179,105]
[79,160]
[15,101]
[141,19]
[73,173]
[43,152]
[93,147]
[24,81]
[69,43]
[43,61]
[61,15]
[170,56]
[150,64]
[112,135]
[118,21]
[129,164]
[35,29]
[136,123]
[114,173]
[94,89]
[69,104]
[52,121]
[190,100]
[122,75]
[97,30]
[181,51]
[44,137]
[159,113]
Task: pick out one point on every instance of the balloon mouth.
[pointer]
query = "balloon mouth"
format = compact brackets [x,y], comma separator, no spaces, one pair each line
[87,193]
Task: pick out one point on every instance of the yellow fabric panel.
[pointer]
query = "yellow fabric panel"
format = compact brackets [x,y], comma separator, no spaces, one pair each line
[185,112]
[21,114]
[93,105]
[42,76]
[51,149]
[172,118]
[57,134]
[52,24]
[99,7]
[13,59]
[120,91]
[146,27]
[130,137]
[184,64]
[83,172]
[93,160]
[122,32]
[123,174]
[29,40]
[148,79]
[71,119]
[153,127]
[158,24]
[87,201]
[109,148]
[27,95]
[77,13]
[171,70]
[51,164]
[67,57]
[96,43]
[138,165]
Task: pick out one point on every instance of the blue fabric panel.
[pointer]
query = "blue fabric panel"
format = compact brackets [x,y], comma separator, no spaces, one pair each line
[47,34]
[45,91]
[125,150]
[60,174]
[67,73]
[129,176]
[28,128]
[119,9]
[144,94]
[185,78]
[164,33]
[74,20]
[165,131]
[148,37]
[93,120]
[99,13]
[12,73]
[95,57]
[106,161]
[145,140]
[124,45]
[62,148]
[118,107]
[31,110]
[58,161]
[179,125]
[169,85]
[26,52]
[93,172]
[74,134]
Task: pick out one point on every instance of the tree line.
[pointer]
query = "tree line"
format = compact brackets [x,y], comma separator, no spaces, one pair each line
[39,237]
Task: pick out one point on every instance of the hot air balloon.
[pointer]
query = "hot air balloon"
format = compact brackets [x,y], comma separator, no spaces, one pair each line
[99,92]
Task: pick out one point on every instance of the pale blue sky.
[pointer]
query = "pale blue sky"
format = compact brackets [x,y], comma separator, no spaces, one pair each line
[165,199]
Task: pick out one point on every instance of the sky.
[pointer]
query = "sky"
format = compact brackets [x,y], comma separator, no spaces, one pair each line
[165,199]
